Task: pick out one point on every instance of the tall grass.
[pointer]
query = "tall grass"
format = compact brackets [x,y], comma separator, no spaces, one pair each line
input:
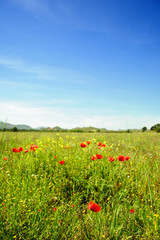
[42,199]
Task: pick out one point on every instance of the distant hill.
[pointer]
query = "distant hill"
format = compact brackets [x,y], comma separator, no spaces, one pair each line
[54,129]
[77,129]
[90,129]
[57,128]
[85,129]
[10,126]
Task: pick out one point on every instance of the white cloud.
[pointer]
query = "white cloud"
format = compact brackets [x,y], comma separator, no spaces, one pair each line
[27,113]
[21,84]
[44,72]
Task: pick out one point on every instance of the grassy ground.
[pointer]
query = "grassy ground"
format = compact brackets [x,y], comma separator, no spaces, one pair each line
[42,199]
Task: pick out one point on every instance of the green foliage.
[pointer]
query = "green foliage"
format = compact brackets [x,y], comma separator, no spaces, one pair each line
[155,127]
[144,129]
[15,129]
[128,131]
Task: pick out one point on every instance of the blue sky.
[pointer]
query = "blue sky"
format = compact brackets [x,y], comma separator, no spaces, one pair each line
[80,63]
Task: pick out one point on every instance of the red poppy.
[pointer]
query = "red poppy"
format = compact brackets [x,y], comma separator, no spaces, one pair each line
[94,207]
[5,158]
[54,209]
[99,156]
[20,149]
[111,159]
[103,145]
[126,158]
[99,144]
[88,142]
[72,205]
[121,158]
[26,151]
[132,211]
[61,162]
[15,150]
[55,157]
[33,147]
[83,145]
[93,158]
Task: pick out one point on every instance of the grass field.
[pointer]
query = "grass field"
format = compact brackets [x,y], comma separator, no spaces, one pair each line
[47,191]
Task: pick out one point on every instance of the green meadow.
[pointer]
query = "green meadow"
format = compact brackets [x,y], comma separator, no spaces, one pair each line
[45,191]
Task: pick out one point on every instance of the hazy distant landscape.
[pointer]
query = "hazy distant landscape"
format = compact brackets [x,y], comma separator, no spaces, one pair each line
[21,127]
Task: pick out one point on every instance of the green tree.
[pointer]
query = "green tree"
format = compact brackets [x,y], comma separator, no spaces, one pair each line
[155,127]
[144,129]
[15,129]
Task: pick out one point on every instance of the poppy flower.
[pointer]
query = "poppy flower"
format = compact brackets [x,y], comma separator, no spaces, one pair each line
[103,145]
[61,162]
[126,158]
[54,209]
[5,158]
[121,158]
[26,151]
[94,207]
[99,144]
[132,211]
[15,150]
[83,145]
[88,142]
[111,159]
[93,158]
[20,149]
[33,147]
[55,157]
[99,156]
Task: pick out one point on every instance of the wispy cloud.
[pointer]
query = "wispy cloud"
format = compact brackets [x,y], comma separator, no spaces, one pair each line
[35,7]
[20,84]
[44,72]
[33,115]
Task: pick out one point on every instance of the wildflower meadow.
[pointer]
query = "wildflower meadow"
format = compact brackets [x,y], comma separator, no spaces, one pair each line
[79,186]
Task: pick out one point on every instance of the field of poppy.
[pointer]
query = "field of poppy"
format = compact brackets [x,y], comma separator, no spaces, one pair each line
[79,186]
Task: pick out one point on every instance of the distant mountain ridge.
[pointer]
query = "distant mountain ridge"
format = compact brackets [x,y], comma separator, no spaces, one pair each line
[18,126]
[9,126]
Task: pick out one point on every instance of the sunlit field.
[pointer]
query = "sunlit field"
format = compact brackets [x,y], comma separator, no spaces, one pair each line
[79,186]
